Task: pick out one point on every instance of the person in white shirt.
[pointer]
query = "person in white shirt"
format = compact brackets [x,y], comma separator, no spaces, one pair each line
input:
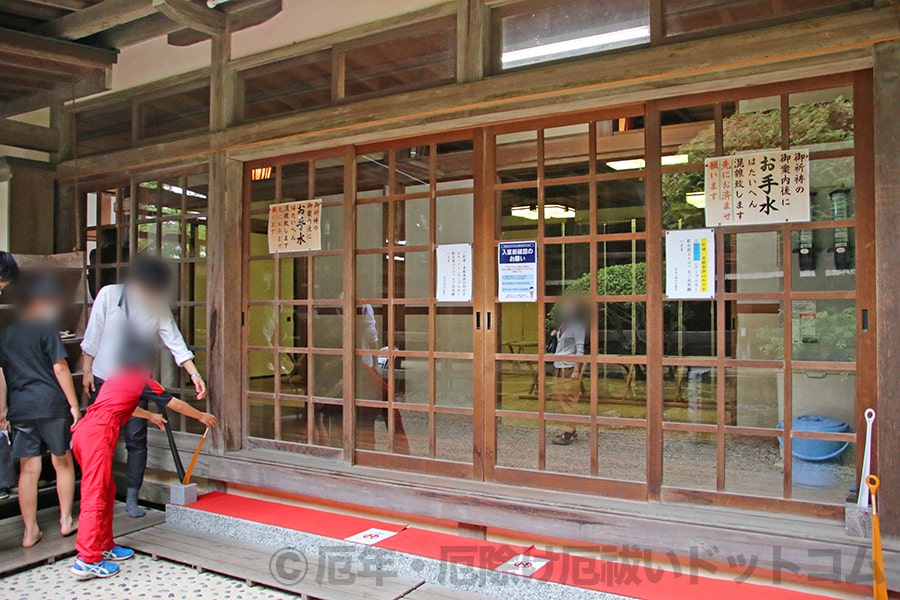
[121,312]
[566,385]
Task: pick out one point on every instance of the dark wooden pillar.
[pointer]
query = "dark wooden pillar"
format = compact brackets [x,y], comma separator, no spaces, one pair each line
[223,293]
[887,221]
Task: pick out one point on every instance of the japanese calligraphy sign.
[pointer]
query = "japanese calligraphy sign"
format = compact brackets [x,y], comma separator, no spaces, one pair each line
[454,273]
[295,226]
[690,264]
[771,186]
[517,271]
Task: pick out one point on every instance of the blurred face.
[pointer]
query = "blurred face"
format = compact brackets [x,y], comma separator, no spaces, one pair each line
[3,286]
[45,309]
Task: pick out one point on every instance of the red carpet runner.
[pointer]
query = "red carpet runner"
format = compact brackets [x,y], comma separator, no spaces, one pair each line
[674,581]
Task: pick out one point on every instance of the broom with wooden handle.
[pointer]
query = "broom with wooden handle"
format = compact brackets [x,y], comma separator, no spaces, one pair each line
[880,582]
[190,470]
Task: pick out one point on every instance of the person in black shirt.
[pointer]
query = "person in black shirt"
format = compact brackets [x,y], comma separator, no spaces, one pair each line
[9,270]
[38,401]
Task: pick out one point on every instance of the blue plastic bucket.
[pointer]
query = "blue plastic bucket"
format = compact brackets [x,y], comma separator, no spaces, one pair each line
[816,461]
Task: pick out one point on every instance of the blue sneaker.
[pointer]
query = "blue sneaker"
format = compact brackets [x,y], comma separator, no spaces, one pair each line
[102,569]
[118,553]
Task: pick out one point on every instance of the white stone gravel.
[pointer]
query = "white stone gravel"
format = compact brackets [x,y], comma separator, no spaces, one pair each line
[140,577]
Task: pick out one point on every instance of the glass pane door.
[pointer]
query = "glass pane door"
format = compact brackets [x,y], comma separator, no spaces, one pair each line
[413,364]
[569,398]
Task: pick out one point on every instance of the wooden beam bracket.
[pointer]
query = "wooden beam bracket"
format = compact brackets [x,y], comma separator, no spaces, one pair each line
[193,16]
[28,136]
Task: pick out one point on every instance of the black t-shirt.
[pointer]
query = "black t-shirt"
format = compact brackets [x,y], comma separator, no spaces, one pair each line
[28,351]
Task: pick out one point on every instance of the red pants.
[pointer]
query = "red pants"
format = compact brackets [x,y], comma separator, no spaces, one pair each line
[94,444]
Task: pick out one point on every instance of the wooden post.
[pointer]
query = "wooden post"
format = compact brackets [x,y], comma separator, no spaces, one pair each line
[472,24]
[887,265]
[224,261]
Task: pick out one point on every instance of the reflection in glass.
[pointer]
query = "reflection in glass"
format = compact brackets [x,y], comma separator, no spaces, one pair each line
[621,390]
[453,437]
[829,394]
[754,397]
[826,481]
[622,453]
[758,330]
[567,210]
[689,394]
[261,417]
[453,383]
[753,466]
[753,262]
[294,278]
[824,330]
[818,266]
[689,460]
[517,443]
[689,328]
[372,225]
[328,428]
[517,386]
[518,217]
[566,266]
[413,222]
[453,329]
[328,277]
[621,207]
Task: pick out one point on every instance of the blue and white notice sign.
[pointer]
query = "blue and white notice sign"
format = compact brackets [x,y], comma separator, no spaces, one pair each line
[517,271]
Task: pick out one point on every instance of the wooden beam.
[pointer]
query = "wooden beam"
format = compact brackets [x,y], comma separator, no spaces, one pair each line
[64,4]
[149,27]
[97,81]
[28,136]
[96,18]
[242,14]
[887,262]
[28,11]
[192,16]
[58,51]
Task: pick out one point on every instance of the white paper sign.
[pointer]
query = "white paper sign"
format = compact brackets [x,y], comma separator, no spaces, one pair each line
[523,565]
[295,226]
[454,273]
[517,271]
[370,537]
[759,187]
[690,264]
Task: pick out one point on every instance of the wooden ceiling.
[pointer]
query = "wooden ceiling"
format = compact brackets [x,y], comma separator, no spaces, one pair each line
[58,50]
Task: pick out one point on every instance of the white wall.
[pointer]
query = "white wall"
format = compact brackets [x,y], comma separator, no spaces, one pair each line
[300,20]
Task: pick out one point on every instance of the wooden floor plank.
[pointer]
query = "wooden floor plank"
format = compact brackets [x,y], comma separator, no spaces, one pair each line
[433,592]
[251,562]
[14,558]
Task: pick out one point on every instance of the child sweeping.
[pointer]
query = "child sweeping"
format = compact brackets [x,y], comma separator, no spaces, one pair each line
[94,443]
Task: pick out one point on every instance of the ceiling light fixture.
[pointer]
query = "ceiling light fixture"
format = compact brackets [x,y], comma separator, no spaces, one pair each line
[696,199]
[596,42]
[640,163]
[260,173]
[551,211]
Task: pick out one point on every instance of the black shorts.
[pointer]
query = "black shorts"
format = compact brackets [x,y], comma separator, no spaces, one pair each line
[30,437]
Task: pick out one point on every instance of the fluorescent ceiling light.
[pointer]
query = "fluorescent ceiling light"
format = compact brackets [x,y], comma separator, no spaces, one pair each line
[584,43]
[640,163]
[696,199]
[551,211]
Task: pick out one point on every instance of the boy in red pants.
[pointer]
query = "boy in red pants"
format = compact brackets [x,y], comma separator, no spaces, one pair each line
[94,444]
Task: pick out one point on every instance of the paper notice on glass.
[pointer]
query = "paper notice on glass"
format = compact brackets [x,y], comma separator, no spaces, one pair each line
[751,188]
[690,264]
[454,273]
[517,271]
[295,226]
